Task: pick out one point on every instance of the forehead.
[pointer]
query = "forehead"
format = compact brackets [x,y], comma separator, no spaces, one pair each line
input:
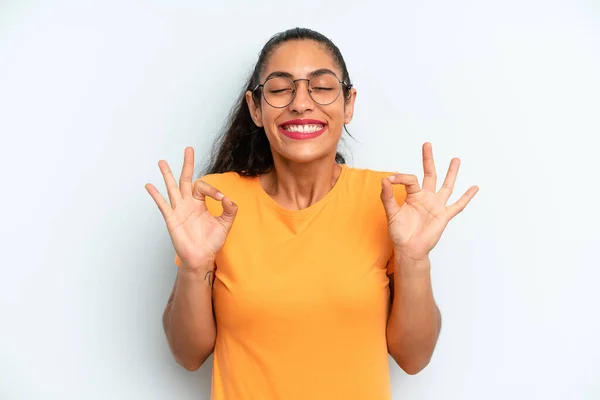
[300,58]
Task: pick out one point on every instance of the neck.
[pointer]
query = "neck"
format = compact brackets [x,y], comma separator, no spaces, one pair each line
[297,186]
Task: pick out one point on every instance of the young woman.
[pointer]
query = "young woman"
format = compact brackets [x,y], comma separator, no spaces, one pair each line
[299,272]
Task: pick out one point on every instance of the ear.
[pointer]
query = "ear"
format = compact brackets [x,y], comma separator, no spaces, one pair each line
[349,106]
[255,111]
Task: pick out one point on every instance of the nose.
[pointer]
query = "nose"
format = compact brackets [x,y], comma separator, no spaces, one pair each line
[302,100]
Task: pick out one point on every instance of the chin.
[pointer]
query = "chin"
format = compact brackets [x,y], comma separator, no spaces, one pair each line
[306,156]
[305,151]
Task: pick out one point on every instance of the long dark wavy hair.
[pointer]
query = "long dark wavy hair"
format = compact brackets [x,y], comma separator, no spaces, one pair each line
[242,146]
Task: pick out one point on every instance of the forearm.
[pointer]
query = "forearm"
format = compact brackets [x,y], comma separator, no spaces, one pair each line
[189,321]
[414,322]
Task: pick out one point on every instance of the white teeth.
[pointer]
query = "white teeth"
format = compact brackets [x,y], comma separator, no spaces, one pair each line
[303,128]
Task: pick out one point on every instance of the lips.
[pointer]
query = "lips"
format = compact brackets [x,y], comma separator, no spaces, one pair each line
[302,128]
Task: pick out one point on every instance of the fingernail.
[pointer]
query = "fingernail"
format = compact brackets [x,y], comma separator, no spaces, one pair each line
[220,196]
[392,178]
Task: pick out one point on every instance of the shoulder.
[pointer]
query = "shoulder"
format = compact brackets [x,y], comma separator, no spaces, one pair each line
[366,175]
[233,185]
[368,181]
[227,182]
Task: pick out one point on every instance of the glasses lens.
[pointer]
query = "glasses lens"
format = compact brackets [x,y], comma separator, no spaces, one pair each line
[324,89]
[279,91]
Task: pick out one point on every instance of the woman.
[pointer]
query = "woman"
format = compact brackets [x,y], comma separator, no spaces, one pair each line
[299,272]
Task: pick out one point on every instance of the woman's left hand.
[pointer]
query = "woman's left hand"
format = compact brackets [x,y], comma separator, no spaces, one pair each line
[416,226]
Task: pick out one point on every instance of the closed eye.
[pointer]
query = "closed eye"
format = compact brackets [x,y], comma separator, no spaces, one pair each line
[280,90]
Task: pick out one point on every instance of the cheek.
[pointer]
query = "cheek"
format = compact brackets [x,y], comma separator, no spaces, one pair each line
[269,119]
[269,116]
[338,116]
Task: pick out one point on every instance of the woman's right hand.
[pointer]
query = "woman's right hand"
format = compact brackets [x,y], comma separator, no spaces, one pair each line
[196,234]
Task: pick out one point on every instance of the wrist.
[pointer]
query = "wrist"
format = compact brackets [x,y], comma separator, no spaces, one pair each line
[198,276]
[197,268]
[408,265]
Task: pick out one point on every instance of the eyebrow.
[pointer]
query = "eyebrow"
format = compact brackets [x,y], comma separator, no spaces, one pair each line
[317,72]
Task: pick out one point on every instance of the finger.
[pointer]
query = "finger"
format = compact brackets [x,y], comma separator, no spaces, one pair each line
[448,185]
[387,198]
[203,189]
[187,172]
[409,181]
[172,188]
[461,203]
[163,205]
[430,176]
[229,212]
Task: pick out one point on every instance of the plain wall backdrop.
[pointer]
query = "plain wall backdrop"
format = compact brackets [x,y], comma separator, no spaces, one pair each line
[93,94]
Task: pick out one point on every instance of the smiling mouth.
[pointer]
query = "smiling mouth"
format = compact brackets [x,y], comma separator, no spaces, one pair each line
[305,128]
[302,131]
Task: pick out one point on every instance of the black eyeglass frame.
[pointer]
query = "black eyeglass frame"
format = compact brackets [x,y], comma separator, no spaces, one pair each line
[348,87]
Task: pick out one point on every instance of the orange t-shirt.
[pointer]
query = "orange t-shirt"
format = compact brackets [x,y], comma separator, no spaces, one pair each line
[301,298]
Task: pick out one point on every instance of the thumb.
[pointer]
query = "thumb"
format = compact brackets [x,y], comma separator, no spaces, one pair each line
[387,198]
[229,212]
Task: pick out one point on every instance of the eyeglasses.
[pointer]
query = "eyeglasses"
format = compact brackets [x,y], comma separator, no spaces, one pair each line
[279,91]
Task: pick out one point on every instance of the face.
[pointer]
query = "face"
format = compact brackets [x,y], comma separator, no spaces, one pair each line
[303,131]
